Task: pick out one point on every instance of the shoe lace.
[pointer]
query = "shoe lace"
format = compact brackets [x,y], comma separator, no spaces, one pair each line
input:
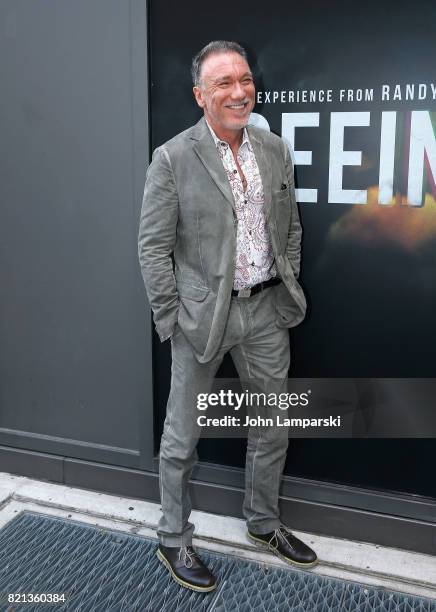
[281,533]
[187,555]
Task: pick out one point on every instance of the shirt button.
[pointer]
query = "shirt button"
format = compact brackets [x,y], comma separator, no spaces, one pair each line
[245,201]
[252,263]
[235,171]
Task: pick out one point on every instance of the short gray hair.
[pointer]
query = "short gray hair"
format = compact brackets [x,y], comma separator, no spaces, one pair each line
[216,46]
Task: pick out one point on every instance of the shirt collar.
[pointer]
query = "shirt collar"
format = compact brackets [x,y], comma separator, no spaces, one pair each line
[218,141]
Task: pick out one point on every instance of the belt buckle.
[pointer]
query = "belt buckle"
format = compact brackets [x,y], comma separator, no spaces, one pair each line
[244,293]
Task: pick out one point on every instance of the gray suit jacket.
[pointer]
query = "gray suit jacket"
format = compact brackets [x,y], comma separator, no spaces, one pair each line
[188,211]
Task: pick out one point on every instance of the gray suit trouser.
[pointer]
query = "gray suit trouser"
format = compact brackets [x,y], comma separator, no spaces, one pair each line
[260,350]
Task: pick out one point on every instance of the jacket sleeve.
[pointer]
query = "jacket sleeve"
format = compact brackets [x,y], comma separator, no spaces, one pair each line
[293,246]
[156,240]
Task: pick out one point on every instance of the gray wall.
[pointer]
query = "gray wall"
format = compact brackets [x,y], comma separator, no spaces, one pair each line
[74,325]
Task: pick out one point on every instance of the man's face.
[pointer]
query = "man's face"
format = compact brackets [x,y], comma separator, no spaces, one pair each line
[226,92]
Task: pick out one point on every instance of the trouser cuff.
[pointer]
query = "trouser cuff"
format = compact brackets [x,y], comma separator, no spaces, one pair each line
[263,527]
[175,541]
[169,537]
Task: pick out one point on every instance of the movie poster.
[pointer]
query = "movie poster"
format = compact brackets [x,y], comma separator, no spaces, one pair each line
[351,87]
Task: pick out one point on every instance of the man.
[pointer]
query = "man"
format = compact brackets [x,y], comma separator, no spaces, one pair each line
[219,197]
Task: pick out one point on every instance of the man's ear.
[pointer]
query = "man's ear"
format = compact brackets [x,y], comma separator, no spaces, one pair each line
[198,95]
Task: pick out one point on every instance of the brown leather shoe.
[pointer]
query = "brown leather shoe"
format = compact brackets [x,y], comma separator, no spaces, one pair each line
[285,545]
[186,567]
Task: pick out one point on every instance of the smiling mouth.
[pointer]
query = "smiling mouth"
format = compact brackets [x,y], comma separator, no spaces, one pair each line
[239,106]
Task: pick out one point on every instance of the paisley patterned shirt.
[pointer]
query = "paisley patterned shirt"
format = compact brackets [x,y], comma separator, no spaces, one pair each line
[254,254]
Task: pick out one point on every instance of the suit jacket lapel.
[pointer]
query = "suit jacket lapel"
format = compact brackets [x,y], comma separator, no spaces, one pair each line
[206,150]
[264,169]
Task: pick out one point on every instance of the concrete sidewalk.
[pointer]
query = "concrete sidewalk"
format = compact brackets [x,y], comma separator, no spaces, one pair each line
[369,564]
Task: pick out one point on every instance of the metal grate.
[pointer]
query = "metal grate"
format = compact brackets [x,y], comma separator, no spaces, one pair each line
[107,571]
